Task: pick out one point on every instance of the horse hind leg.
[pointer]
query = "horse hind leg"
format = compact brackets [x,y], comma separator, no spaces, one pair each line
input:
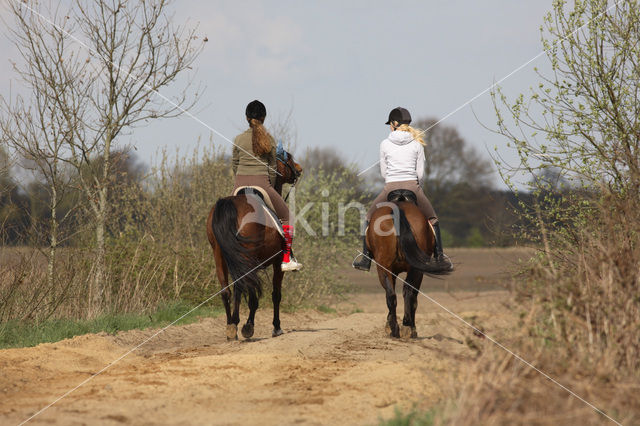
[223,276]
[406,328]
[388,282]
[276,296]
[410,293]
[247,328]
[232,326]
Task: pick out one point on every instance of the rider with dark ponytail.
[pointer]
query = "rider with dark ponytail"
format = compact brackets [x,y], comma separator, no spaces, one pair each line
[402,167]
[254,164]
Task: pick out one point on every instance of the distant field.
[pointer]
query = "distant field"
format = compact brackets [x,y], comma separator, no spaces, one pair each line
[476,269]
[9,256]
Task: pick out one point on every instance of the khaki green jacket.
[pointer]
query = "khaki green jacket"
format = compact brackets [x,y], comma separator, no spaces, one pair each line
[244,161]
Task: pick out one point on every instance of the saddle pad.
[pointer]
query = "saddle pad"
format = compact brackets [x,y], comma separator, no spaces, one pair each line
[264,194]
[399,195]
[265,202]
[274,219]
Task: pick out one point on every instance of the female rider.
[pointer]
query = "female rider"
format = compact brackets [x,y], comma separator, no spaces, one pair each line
[402,167]
[254,164]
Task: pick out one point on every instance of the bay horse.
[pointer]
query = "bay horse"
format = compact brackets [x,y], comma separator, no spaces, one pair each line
[244,247]
[402,240]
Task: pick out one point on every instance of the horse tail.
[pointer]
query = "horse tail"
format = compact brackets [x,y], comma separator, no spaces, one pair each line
[240,262]
[414,256]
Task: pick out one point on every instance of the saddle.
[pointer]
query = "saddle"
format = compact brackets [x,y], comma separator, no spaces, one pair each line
[255,190]
[262,195]
[399,195]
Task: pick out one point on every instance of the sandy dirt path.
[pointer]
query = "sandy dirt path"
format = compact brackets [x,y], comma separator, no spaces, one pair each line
[328,368]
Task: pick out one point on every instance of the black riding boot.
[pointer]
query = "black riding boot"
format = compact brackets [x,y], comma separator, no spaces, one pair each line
[440,258]
[364,264]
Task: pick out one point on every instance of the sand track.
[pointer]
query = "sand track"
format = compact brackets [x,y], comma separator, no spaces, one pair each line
[327,368]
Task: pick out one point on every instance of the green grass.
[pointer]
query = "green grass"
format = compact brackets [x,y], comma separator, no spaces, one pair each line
[326,309]
[411,418]
[14,334]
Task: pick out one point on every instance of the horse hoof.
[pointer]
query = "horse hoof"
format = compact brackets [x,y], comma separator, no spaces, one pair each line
[277,332]
[394,330]
[247,330]
[414,333]
[232,332]
[405,332]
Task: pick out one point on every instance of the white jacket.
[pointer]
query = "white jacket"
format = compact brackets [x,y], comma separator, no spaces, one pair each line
[401,158]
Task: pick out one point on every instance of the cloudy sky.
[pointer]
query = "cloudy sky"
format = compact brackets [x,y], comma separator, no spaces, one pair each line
[338,67]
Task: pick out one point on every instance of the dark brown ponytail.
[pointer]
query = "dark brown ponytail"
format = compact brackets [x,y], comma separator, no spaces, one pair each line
[260,140]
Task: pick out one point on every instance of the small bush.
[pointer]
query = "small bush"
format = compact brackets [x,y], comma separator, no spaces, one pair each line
[411,418]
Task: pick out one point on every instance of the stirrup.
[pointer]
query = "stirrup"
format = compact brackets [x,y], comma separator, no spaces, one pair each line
[291,265]
[364,264]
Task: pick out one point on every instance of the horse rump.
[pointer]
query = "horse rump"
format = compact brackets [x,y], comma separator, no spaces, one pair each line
[241,263]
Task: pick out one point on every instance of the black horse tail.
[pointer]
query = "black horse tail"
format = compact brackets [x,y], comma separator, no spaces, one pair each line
[414,256]
[240,262]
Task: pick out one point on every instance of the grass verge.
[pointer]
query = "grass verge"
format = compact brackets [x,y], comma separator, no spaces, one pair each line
[15,334]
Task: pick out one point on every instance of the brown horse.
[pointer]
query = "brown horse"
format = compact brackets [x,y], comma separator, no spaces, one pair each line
[244,247]
[401,240]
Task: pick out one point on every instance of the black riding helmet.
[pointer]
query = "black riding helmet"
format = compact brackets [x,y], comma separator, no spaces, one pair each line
[256,109]
[399,114]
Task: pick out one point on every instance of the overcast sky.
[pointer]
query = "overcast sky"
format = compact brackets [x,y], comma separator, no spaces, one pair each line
[339,66]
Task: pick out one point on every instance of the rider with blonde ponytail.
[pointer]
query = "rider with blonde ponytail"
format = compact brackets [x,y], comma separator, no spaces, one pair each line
[254,164]
[402,167]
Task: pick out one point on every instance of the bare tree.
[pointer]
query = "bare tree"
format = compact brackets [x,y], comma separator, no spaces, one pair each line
[6,183]
[38,134]
[97,67]
[451,160]
[7,188]
[458,181]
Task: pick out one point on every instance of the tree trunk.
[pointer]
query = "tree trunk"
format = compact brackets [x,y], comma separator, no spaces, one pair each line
[99,282]
[53,238]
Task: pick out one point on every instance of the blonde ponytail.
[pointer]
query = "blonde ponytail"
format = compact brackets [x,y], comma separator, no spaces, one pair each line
[415,133]
[260,140]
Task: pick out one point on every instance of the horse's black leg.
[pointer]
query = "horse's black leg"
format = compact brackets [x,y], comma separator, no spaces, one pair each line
[414,305]
[247,329]
[388,282]
[235,317]
[410,293]
[223,276]
[276,296]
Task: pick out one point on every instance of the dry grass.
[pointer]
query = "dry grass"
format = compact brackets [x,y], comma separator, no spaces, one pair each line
[25,294]
[502,390]
[580,307]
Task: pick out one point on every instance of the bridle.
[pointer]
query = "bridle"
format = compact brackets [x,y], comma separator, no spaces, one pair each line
[283,157]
